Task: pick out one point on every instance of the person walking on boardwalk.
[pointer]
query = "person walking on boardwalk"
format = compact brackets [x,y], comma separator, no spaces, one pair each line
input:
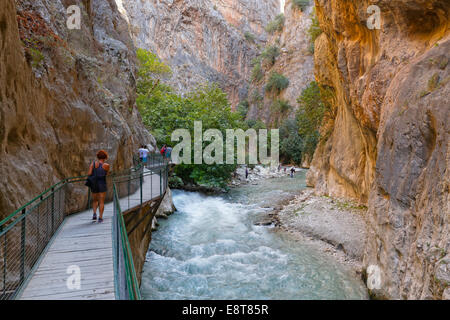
[99,169]
[144,151]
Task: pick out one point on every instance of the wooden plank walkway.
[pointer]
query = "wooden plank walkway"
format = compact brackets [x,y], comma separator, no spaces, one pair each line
[88,245]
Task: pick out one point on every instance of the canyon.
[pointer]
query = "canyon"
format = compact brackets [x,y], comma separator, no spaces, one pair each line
[66,93]
[202,40]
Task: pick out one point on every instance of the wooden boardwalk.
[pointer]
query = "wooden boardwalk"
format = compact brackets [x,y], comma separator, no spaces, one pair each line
[87,245]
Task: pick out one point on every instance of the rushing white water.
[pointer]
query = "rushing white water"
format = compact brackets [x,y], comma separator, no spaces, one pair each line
[211,249]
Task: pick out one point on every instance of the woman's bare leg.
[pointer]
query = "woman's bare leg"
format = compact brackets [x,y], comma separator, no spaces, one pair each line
[102,197]
[95,202]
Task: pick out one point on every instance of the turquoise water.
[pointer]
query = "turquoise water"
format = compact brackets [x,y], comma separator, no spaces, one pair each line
[211,249]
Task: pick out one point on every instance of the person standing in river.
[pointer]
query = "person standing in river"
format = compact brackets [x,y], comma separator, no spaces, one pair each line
[100,169]
[292,172]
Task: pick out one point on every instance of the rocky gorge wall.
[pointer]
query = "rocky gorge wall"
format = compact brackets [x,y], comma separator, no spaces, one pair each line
[389,142]
[201,40]
[64,94]
[296,62]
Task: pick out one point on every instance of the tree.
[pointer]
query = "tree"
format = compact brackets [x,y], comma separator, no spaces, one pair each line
[313,106]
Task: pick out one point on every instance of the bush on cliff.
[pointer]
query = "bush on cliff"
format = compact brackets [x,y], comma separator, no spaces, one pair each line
[300,4]
[276,25]
[277,83]
[270,54]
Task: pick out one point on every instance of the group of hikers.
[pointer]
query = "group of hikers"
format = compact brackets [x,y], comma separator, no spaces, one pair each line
[292,171]
[143,151]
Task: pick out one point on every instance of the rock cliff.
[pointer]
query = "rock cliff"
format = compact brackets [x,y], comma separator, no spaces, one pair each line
[64,94]
[201,40]
[389,143]
[295,61]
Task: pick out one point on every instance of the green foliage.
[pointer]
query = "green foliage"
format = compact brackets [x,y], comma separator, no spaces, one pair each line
[255,124]
[242,108]
[277,82]
[151,69]
[314,30]
[433,82]
[163,111]
[281,106]
[270,54]
[256,96]
[291,143]
[250,37]
[276,25]
[300,4]
[36,57]
[313,106]
[257,73]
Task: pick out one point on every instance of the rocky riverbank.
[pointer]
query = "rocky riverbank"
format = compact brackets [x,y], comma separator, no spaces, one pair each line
[335,226]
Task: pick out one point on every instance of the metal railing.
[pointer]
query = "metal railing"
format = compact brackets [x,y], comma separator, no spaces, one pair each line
[25,234]
[152,183]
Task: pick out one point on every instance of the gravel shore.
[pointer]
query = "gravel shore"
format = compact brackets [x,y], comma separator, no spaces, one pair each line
[336,226]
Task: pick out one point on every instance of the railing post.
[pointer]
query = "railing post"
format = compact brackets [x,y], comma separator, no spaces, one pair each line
[141,183]
[53,209]
[160,182]
[129,191]
[22,248]
[4,263]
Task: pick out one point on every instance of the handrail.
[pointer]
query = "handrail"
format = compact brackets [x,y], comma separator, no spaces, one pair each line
[38,220]
[130,272]
[126,281]
[51,189]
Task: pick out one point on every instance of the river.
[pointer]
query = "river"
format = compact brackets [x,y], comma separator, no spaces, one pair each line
[211,249]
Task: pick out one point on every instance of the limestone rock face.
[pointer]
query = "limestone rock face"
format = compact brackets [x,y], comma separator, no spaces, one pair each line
[389,142]
[201,40]
[64,95]
[295,62]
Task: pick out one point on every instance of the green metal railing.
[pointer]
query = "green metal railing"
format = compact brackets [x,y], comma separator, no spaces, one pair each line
[25,234]
[153,182]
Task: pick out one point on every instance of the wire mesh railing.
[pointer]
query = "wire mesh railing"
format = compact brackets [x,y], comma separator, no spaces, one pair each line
[26,232]
[151,184]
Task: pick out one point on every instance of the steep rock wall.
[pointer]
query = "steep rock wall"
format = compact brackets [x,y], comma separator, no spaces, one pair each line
[390,139]
[201,40]
[69,96]
[296,62]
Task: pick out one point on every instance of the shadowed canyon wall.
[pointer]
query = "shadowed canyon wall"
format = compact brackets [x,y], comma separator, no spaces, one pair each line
[64,95]
[201,40]
[389,142]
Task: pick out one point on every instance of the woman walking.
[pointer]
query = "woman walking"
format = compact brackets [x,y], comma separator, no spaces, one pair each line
[99,169]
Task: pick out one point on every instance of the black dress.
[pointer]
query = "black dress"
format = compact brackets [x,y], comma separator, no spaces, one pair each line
[101,178]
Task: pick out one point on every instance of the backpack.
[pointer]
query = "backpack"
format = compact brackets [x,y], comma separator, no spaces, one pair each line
[92,180]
